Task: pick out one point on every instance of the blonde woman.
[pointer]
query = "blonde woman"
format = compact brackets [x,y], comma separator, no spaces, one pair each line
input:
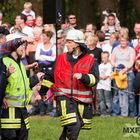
[125,55]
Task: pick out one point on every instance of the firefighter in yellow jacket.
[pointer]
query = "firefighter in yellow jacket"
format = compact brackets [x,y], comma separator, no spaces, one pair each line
[14,117]
[75,73]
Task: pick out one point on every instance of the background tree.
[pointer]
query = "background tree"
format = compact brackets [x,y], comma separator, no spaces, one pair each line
[87,11]
[127,14]
[136,6]
[11,8]
[128,11]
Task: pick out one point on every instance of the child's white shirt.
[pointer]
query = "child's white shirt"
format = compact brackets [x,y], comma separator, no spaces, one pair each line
[105,69]
[32,13]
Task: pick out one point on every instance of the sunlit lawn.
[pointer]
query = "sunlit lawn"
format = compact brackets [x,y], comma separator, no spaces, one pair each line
[103,128]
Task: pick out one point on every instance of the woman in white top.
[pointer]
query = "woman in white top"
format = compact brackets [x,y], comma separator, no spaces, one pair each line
[46,52]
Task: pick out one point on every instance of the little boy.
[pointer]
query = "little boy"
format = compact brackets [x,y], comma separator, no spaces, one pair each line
[28,9]
[104,85]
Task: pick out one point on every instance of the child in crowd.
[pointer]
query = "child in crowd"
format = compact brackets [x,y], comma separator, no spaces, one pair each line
[51,106]
[28,9]
[137,85]
[104,85]
[38,106]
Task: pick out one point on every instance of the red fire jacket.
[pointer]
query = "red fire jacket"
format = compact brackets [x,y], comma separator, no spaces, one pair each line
[66,85]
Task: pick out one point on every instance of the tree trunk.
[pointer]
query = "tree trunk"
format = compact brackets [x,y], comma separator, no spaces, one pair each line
[125,9]
[84,11]
[136,5]
[18,5]
[37,6]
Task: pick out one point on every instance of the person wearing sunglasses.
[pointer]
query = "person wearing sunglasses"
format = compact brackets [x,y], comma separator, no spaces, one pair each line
[73,21]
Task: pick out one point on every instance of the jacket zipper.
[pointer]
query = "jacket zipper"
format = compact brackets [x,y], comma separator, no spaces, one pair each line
[23,83]
[72,72]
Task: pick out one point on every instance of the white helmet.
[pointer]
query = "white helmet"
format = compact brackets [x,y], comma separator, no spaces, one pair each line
[76,36]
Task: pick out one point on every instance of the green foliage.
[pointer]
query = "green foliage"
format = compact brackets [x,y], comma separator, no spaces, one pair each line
[131,17]
[69,6]
[8,11]
[128,15]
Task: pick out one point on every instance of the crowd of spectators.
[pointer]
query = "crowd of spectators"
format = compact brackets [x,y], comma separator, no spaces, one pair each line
[117,92]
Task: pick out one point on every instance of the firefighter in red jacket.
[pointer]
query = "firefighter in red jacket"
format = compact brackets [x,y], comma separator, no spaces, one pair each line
[75,73]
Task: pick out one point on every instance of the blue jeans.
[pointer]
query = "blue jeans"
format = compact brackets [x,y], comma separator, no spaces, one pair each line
[131,97]
[115,101]
[39,108]
[127,99]
[123,101]
[105,101]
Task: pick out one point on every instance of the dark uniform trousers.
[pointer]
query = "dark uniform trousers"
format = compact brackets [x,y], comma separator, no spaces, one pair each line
[71,118]
[15,133]
[72,131]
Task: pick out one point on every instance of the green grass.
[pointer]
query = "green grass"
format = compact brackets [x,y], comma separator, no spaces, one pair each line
[103,128]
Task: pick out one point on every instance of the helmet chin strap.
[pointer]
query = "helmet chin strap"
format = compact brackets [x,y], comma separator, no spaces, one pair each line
[75,52]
